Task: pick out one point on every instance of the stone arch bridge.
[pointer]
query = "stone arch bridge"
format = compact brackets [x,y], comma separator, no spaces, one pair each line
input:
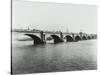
[41,37]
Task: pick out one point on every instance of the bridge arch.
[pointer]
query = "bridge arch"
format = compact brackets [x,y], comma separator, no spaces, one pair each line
[56,38]
[49,38]
[88,37]
[84,38]
[93,36]
[69,38]
[77,38]
[37,40]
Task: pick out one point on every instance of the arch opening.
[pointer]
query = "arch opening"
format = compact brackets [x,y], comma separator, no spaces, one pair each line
[89,37]
[77,38]
[84,38]
[94,37]
[36,39]
[69,38]
[49,38]
[57,39]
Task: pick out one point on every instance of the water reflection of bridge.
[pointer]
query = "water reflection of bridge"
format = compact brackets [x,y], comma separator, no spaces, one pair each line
[40,37]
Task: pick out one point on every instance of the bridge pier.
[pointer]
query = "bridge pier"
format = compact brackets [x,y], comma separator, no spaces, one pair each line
[42,37]
[81,35]
[73,36]
[61,36]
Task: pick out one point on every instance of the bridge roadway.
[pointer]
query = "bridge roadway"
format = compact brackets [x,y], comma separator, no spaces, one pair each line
[40,37]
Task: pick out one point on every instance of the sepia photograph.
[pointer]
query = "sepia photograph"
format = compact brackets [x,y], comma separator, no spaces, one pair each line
[53,37]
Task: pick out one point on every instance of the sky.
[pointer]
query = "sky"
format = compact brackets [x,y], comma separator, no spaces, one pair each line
[54,16]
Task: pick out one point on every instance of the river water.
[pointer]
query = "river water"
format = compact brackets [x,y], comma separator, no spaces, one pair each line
[72,56]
